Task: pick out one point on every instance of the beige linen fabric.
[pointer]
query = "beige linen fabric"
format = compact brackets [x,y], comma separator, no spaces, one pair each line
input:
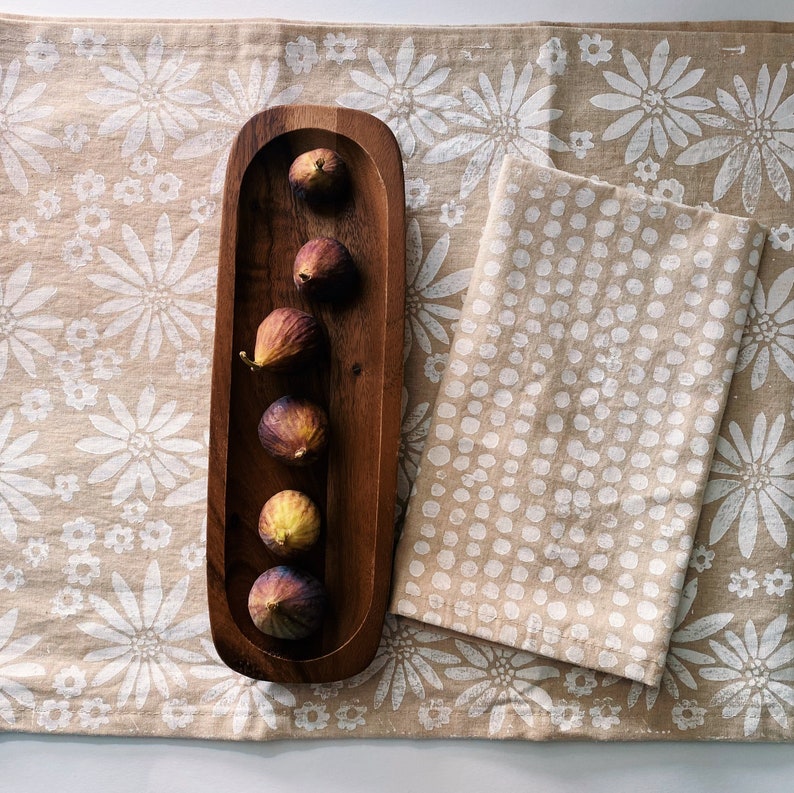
[113,140]
[569,446]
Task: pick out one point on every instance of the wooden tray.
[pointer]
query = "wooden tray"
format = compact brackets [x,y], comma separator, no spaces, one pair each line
[263,227]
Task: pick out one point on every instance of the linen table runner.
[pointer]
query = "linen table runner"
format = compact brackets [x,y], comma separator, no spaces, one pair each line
[113,143]
[570,443]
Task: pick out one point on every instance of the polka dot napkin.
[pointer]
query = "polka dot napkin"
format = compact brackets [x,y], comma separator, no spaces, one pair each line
[565,466]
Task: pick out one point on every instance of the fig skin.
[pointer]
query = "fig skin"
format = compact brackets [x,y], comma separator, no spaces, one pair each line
[319,176]
[286,340]
[289,523]
[324,270]
[287,603]
[294,430]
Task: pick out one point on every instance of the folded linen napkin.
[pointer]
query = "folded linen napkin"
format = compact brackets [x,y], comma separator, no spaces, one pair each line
[563,475]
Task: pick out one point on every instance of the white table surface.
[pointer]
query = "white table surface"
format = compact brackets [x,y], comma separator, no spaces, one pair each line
[33,763]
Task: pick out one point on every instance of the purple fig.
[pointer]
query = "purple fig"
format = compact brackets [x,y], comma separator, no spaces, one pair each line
[318,176]
[286,340]
[289,523]
[287,603]
[324,270]
[294,430]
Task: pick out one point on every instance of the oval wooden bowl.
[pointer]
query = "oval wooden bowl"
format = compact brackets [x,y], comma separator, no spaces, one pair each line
[263,226]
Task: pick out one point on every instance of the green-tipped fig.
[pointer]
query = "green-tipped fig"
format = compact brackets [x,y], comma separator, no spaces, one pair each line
[289,523]
[287,603]
[294,430]
[324,270]
[286,340]
[318,176]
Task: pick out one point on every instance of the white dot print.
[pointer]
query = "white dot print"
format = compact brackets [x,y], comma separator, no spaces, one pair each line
[576,417]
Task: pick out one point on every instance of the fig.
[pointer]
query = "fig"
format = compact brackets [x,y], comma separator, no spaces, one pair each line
[289,523]
[294,430]
[285,340]
[324,270]
[287,603]
[319,175]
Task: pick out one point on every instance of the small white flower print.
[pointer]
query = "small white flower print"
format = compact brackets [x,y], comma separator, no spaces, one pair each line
[36,405]
[15,487]
[757,674]
[566,715]
[143,164]
[301,55]
[452,213]
[553,57]
[669,189]
[82,333]
[782,237]
[350,717]
[202,209]
[751,478]
[93,713]
[129,191]
[36,552]
[92,220]
[54,714]
[435,365]
[144,640]
[178,714]
[152,97]
[701,558]
[70,682]
[11,578]
[75,136]
[743,583]
[595,49]
[134,511]
[502,121]
[405,98]
[140,448]
[311,717]
[165,187]
[156,534]
[48,205]
[434,713]
[237,103]
[80,394]
[339,47]
[77,252]
[88,44]
[192,556]
[65,486]
[416,193]
[501,680]
[778,583]
[192,365]
[647,170]
[42,55]
[67,602]
[82,568]
[240,696]
[22,231]
[580,682]
[580,143]
[659,107]
[755,138]
[604,713]
[154,294]
[688,715]
[88,186]
[78,534]
[119,538]
[422,291]
[13,668]
[18,139]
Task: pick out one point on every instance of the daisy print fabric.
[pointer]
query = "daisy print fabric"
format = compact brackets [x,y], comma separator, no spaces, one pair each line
[114,139]
[563,474]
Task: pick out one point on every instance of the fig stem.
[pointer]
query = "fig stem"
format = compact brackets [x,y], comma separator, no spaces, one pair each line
[252,365]
[272,605]
[304,277]
[300,453]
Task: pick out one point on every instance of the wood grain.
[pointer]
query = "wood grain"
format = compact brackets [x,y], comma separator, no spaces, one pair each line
[359,383]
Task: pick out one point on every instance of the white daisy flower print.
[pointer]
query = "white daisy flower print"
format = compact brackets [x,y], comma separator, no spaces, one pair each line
[769,333]
[757,136]
[405,98]
[154,294]
[15,487]
[752,477]
[501,122]
[240,697]
[19,326]
[144,641]
[141,448]
[404,661]
[501,680]
[412,440]
[13,668]
[19,140]
[422,291]
[757,672]
[151,97]
[659,107]
[238,102]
